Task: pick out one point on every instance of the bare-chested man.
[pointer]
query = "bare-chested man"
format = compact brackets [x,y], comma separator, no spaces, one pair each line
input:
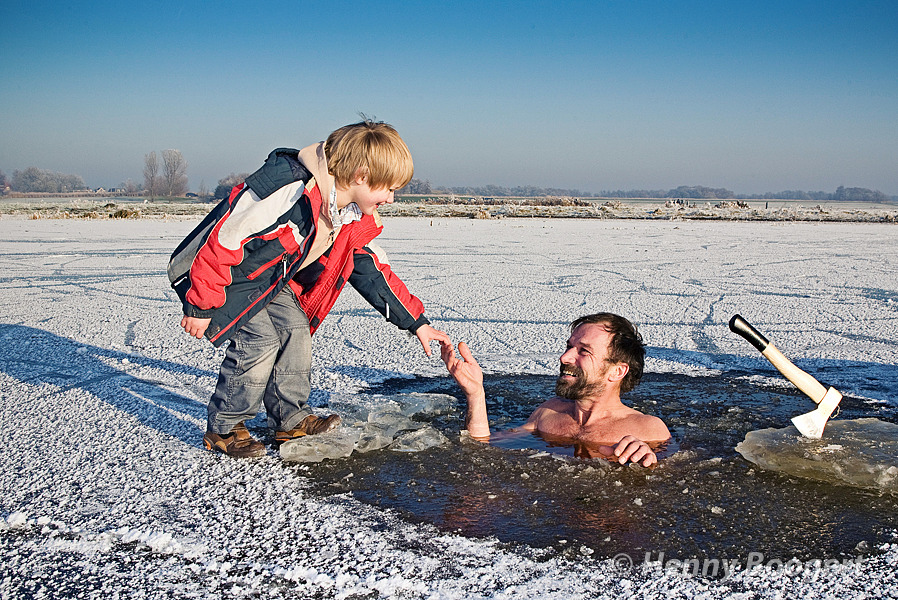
[604,357]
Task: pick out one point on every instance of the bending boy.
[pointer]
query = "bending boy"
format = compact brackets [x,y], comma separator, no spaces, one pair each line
[265,267]
[604,357]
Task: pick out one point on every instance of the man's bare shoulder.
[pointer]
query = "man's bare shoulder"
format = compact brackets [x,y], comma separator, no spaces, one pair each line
[647,428]
[557,404]
[549,412]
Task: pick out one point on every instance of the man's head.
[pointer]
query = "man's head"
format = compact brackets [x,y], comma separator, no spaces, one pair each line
[372,150]
[603,348]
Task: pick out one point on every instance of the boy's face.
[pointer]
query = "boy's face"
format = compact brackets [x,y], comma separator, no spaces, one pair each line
[369,199]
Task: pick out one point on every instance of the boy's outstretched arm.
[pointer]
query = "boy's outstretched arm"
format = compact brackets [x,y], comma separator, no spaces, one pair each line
[469,376]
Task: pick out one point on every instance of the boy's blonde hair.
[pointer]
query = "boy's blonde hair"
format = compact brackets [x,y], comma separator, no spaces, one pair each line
[373,147]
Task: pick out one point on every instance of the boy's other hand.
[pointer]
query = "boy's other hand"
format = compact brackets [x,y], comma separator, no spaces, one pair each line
[427,334]
[194,326]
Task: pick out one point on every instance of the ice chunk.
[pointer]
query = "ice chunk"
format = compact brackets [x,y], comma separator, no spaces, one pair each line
[425,404]
[373,437]
[860,453]
[391,420]
[350,411]
[372,422]
[315,448]
[416,441]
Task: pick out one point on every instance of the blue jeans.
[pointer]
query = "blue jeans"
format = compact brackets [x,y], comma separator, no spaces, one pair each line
[268,361]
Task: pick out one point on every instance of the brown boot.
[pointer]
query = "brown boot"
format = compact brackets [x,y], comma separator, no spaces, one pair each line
[238,443]
[309,426]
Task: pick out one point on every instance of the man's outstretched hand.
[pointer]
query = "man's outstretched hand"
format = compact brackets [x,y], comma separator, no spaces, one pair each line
[469,376]
[466,372]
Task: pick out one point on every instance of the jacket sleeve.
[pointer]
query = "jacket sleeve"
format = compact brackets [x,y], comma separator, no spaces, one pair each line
[373,278]
[210,272]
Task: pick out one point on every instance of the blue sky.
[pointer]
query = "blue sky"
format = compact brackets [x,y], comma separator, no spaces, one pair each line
[752,96]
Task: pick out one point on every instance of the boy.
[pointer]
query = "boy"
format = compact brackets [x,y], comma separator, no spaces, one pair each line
[265,266]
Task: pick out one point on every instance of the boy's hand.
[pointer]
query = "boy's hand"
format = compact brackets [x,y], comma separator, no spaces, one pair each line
[194,326]
[427,334]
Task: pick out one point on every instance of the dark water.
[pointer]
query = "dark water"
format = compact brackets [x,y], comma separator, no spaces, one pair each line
[703,500]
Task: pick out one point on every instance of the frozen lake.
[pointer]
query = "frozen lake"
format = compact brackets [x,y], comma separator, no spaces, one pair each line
[105,489]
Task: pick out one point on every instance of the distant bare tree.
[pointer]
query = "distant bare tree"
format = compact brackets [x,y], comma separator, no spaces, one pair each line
[203,192]
[226,184]
[130,188]
[174,173]
[151,181]
[416,186]
[33,179]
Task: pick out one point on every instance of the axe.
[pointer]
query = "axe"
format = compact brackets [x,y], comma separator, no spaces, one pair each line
[811,424]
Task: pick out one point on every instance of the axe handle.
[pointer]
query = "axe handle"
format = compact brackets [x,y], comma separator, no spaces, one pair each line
[802,380]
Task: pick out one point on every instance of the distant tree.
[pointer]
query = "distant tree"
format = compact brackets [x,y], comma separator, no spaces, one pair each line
[699,192]
[633,194]
[416,186]
[174,173]
[130,188]
[203,192]
[528,191]
[4,183]
[855,194]
[151,180]
[33,179]
[226,184]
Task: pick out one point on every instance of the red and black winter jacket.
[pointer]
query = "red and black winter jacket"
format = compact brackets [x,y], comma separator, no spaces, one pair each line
[251,245]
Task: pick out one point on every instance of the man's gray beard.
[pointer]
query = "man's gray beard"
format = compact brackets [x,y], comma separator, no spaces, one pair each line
[579,389]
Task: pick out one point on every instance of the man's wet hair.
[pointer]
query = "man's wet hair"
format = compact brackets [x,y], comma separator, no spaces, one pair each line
[625,346]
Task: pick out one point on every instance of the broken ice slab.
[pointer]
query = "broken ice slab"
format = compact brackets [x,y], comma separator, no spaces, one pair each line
[859,453]
[360,407]
[391,421]
[372,438]
[372,422]
[338,443]
[428,405]
[416,441]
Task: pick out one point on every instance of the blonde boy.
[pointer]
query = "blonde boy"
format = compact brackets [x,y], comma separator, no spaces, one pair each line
[266,265]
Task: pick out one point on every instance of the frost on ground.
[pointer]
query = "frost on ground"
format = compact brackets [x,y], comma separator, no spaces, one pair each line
[106,491]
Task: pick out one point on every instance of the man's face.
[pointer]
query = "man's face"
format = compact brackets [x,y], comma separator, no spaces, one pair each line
[583,365]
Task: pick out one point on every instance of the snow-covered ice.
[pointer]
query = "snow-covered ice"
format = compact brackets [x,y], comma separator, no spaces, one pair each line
[106,491]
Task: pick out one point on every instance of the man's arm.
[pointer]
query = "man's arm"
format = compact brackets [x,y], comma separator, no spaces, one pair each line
[469,376]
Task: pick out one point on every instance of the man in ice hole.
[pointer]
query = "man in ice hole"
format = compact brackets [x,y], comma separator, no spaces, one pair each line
[604,357]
